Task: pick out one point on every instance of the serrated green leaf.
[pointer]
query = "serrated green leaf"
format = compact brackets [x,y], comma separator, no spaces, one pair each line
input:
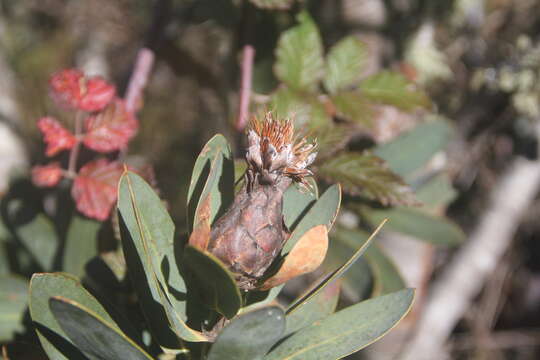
[148,241]
[392,88]
[92,334]
[220,187]
[324,212]
[346,331]
[13,301]
[344,64]
[412,150]
[249,336]
[316,308]
[336,274]
[81,244]
[53,339]
[273,4]
[367,175]
[414,222]
[351,106]
[308,112]
[217,284]
[299,53]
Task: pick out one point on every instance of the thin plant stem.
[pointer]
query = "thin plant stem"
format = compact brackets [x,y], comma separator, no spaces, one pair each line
[74,154]
[139,78]
[248,55]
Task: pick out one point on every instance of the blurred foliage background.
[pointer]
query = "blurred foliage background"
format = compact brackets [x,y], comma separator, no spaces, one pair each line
[454,101]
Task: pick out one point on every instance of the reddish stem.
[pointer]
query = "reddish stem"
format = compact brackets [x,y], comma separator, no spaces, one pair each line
[139,78]
[248,56]
[74,154]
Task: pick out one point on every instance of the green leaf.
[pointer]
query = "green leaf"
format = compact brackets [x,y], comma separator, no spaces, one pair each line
[53,339]
[92,334]
[256,299]
[316,308]
[13,301]
[367,175]
[307,110]
[81,244]
[296,202]
[413,222]
[273,4]
[249,336]
[220,186]
[346,331]
[392,88]
[412,150]
[299,53]
[148,241]
[344,64]
[351,106]
[437,191]
[323,212]
[387,276]
[218,286]
[40,239]
[336,274]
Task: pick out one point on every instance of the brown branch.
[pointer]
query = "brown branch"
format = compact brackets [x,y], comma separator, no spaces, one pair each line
[74,153]
[139,78]
[248,56]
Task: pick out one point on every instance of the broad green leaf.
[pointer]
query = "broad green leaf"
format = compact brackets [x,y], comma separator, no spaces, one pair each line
[344,64]
[392,88]
[53,339]
[324,211]
[81,244]
[220,187]
[299,53]
[336,274]
[217,284]
[437,191]
[367,175]
[316,308]
[13,301]
[357,282]
[308,112]
[148,242]
[249,336]
[256,299]
[412,150]
[296,202]
[39,238]
[346,331]
[331,139]
[273,4]
[387,276]
[413,222]
[351,106]
[92,334]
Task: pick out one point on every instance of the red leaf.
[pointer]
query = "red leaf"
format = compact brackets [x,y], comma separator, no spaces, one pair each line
[110,129]
[55,136]
[97,94]
[65,87]
[71,89]
[95,188]
[47,175]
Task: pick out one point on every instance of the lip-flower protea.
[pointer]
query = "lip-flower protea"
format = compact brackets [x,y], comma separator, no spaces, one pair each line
[251,234]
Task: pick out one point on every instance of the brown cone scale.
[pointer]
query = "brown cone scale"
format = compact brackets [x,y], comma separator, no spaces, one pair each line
[251,234]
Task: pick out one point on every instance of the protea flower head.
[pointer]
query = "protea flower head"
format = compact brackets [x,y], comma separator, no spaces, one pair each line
[250,235]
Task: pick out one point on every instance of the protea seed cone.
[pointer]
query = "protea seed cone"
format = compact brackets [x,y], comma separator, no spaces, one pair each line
[249,236]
